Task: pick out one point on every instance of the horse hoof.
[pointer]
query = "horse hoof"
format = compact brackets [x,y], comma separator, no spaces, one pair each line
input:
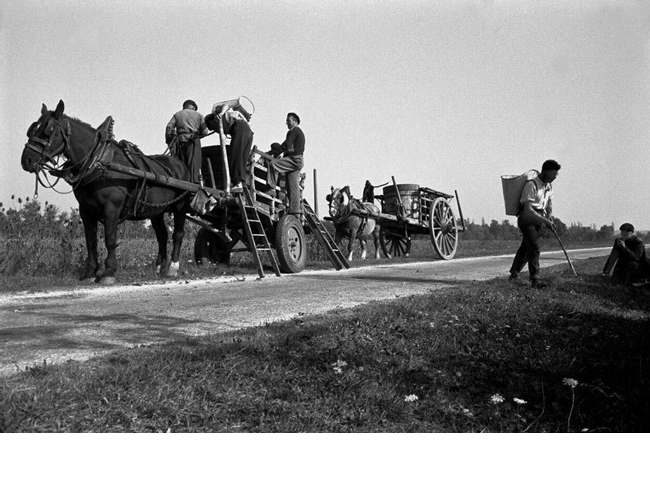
[174,267]
[107,280]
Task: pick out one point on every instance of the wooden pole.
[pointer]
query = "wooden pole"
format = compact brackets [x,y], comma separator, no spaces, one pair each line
[214,184]
[315,194]
[460,211]
[224,156]
[401,212]
[565,254]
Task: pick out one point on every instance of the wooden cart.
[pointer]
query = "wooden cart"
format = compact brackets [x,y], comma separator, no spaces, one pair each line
[257,219]
[408,209]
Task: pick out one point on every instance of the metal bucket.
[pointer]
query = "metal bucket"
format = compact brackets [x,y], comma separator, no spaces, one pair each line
[242,105]
[410,195]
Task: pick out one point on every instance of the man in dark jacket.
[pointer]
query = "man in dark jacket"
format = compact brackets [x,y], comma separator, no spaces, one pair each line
[290,163]
[628,261]
[183,135]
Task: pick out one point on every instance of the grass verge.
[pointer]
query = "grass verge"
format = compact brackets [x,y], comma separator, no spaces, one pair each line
[491,356]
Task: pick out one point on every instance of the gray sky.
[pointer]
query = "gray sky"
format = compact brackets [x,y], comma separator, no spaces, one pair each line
[447,94]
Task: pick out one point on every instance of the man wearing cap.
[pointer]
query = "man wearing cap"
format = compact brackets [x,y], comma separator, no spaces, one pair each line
[183,135]
[290,163]
[628,261]
[536,209]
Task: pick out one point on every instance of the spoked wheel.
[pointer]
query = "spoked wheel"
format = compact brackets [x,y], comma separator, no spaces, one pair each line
[290,244]
[394,243]
[210,248]
[443,229]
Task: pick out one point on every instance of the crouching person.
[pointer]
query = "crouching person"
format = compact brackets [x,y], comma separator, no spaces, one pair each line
[627,261]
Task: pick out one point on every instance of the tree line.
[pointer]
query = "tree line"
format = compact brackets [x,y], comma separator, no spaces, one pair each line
[28,218]
[505,230]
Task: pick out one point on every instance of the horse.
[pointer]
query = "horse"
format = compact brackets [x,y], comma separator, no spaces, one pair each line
[342,207]
[68,148]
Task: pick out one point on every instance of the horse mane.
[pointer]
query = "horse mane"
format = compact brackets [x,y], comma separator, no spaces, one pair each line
[80,122]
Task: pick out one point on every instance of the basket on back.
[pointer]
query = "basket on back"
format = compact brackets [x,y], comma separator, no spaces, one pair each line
[513,185]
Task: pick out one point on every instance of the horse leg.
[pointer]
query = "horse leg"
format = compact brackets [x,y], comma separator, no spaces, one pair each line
[110,240]
[375,236]
[338,239]
[364,253]
[90,232]
[177,237]
[158,225]
[351,245]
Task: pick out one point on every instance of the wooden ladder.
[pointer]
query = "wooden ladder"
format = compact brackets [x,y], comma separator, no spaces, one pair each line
[324,238]
[257,239]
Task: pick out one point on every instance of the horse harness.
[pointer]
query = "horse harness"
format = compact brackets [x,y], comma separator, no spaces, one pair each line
[93,165]
[352,206]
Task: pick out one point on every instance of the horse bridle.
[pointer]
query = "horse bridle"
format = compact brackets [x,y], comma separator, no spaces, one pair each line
[347,210]
[42,146]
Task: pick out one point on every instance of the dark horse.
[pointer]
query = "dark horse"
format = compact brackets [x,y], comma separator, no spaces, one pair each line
[342,209]
[105,195]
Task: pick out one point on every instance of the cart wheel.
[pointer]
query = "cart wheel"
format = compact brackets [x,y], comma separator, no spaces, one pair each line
[208,247]
[290,244]
[443,229]
[394,244]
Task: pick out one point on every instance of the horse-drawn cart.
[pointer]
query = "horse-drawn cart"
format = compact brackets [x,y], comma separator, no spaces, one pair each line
[409,209]
[253,220]
[115,181]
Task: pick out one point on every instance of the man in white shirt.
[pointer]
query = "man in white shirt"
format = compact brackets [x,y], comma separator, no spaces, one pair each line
[536,207]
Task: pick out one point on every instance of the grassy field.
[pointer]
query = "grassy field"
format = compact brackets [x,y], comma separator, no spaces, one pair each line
[488,357]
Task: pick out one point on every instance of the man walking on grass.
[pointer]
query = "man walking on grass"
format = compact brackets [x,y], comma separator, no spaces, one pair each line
[535,212]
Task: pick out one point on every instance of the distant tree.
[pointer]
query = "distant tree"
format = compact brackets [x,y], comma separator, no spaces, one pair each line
[605,232]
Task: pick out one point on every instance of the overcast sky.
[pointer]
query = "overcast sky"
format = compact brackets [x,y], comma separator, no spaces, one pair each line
[447,94]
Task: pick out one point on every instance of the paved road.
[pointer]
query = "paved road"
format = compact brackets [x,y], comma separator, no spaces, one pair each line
[77,324]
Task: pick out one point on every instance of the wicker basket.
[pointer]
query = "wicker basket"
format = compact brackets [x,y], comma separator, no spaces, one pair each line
[512,188]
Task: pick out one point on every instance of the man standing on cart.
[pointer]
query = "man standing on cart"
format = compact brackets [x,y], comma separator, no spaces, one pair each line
[290,163]
[183,134]
[241,142]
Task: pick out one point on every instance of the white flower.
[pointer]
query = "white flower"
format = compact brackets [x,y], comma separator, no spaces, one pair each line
[519,401]
[338,366]
[411,398]
[570,382]
[496,398]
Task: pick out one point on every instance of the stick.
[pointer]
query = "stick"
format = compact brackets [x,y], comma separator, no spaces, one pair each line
[565,254]
[224,156]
